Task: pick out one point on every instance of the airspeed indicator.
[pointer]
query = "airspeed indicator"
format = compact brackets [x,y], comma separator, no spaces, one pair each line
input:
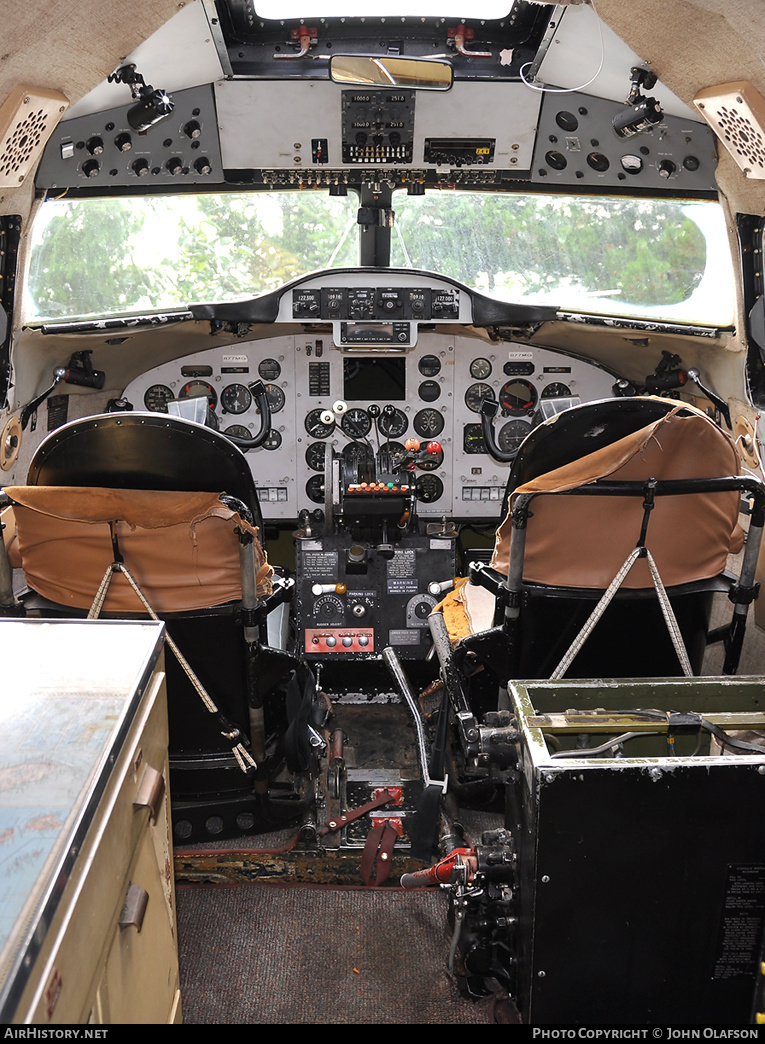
[475,395]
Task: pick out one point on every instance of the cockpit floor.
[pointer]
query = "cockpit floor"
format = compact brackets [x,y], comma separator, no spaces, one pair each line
[274,954]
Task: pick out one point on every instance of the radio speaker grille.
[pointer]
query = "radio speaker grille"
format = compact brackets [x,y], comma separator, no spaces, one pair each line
[27,119]
[736,113]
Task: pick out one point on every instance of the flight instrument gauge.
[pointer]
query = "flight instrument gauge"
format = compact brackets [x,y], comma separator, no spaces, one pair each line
[275,398]
[428,488]
[269,370]
[157,397]
[472,439]
[556,390]
[475,395]
[239,431]
[480,369]
[517,398]
[429,365]
[393,424]
[196,389]
[428,423]
[314,456]
[356,423]
[316,427]
[273,440]
[512,434]
[235,398]
[314,488]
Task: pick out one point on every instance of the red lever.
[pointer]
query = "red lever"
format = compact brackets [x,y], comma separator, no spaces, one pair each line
[444,871]
[303,36]
[460,34]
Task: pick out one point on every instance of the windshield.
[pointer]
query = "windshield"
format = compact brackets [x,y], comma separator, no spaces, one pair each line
[96,257]
[643,258]
[648,258]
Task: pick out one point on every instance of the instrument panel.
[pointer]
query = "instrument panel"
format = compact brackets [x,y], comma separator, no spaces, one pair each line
[366,404]
[364,313]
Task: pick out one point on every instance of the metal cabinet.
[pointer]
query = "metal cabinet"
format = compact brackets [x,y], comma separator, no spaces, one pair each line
[641,865]
[87,928]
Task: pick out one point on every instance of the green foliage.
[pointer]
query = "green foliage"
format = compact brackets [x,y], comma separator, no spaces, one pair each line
[82,262]
[243,245]
[642,251]
[112,256]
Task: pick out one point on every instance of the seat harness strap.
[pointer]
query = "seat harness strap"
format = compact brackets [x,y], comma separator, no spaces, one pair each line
[228,730]
[666,608]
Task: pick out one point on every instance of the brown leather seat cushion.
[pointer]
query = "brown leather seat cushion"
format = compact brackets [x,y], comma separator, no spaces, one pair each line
[576,541]
[180,547]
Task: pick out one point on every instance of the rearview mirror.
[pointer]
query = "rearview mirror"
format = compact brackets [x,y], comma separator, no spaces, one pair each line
[426,74]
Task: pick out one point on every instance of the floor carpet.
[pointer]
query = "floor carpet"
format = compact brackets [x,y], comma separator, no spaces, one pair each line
[273,954]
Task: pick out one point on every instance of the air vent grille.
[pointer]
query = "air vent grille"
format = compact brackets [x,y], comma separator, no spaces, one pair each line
[27,118]
[736,113]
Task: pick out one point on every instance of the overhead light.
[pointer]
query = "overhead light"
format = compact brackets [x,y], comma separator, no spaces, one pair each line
[642,113]
[151,105]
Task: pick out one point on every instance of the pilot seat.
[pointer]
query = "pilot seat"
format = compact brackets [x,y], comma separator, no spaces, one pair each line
[172,505]
[621,517]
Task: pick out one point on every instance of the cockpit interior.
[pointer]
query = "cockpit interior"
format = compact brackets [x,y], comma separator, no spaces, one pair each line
[396,375]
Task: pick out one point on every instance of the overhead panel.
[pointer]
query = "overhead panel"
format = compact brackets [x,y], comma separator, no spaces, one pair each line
[308,124]
[102,150]
[577,146]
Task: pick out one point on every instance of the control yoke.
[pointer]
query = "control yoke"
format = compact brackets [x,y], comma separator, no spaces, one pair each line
[489,409]
[260,396]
